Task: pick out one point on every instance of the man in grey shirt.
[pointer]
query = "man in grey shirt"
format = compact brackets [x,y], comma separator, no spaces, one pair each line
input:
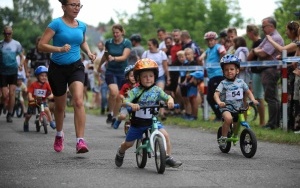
[137,49]
[270,75]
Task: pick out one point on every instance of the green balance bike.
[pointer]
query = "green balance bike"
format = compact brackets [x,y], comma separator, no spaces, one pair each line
[153,142]
[247,138]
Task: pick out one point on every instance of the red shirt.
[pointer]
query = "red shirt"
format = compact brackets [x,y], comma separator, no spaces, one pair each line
[126,87]
[174,49]
[38,89]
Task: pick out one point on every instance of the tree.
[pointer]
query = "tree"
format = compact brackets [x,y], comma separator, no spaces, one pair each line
[284,14]
[196,16]
[29,18]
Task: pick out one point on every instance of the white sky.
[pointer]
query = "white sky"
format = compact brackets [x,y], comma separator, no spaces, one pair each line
[95,11]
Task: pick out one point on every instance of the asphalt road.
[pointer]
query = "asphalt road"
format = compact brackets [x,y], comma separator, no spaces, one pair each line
[28,160]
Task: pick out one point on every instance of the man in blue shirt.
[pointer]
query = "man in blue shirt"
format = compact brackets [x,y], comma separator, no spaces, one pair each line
[9,49]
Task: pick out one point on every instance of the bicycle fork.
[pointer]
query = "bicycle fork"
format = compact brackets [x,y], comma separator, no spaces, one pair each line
[234,138]
[155,133]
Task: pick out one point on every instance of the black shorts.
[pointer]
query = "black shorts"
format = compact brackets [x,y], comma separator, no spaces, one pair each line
[6,80]
[62,76]
[184,90]
[86,80]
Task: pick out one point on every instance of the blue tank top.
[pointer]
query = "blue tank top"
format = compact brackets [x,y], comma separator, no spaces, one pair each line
[213,58]
[65,34]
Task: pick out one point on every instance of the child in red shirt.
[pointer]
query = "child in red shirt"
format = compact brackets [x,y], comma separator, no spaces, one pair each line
[130,83]
[39,90]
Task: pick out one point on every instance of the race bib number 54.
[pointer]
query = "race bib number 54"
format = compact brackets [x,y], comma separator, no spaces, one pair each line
[234,95]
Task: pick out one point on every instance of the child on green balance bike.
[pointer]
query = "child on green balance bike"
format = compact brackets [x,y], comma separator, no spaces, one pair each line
[231,91]
[146,94]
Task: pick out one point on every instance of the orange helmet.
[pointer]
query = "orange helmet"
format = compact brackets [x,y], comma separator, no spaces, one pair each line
[143,65]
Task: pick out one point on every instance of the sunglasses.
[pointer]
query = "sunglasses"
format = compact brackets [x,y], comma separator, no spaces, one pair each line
[7,34]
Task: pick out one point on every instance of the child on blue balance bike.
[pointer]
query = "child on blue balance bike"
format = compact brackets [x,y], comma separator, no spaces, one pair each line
[231,90]
[147,93]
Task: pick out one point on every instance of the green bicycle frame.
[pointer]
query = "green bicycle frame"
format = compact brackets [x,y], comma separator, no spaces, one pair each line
[149,143]
[241,122]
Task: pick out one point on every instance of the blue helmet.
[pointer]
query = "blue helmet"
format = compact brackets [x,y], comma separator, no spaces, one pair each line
[128,69]
[230,59]
[198,75]
[40,69]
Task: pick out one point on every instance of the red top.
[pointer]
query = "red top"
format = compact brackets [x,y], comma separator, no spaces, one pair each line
[174,49]
[126,87]
[38,89]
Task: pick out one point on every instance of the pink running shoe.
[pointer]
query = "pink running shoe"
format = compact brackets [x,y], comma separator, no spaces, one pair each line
[58,143]
[81,147]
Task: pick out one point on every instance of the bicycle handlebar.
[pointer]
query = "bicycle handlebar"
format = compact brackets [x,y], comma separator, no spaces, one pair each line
[238,110]
[154,106]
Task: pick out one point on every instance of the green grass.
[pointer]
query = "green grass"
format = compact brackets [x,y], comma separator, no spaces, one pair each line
[275,136]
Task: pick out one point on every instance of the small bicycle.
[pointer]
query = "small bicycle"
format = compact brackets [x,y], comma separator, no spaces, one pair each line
[248,141]
[252,112]
[18,108]
[153,142]
[41,119]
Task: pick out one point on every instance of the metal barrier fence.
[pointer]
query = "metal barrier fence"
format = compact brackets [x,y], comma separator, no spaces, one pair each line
[280,64]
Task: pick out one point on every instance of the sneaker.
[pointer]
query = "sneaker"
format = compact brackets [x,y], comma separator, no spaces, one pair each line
[171,162]
[52,124]
[191,118]
[268,127]
[113,121]
[9,118]
[81,147]
[222,141]
[116,124]
[109,119]
[186,116]
[26,126]
[58,143]
[119,158]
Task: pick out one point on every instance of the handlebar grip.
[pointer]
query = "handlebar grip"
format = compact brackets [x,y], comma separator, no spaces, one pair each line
[177,106]
[129,109]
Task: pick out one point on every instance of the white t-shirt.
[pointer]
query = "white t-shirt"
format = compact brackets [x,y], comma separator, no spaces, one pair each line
[158,57]
[22,72]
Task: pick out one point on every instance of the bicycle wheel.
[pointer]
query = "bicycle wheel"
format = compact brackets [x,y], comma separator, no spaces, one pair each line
[226,148]
[159,154]
[248,143]
[141,156]
[37,125]
[252,112]
[45,124]
[19,110]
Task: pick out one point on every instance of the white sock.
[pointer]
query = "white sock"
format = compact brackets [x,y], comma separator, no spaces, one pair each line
[77,139]
[59,133]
